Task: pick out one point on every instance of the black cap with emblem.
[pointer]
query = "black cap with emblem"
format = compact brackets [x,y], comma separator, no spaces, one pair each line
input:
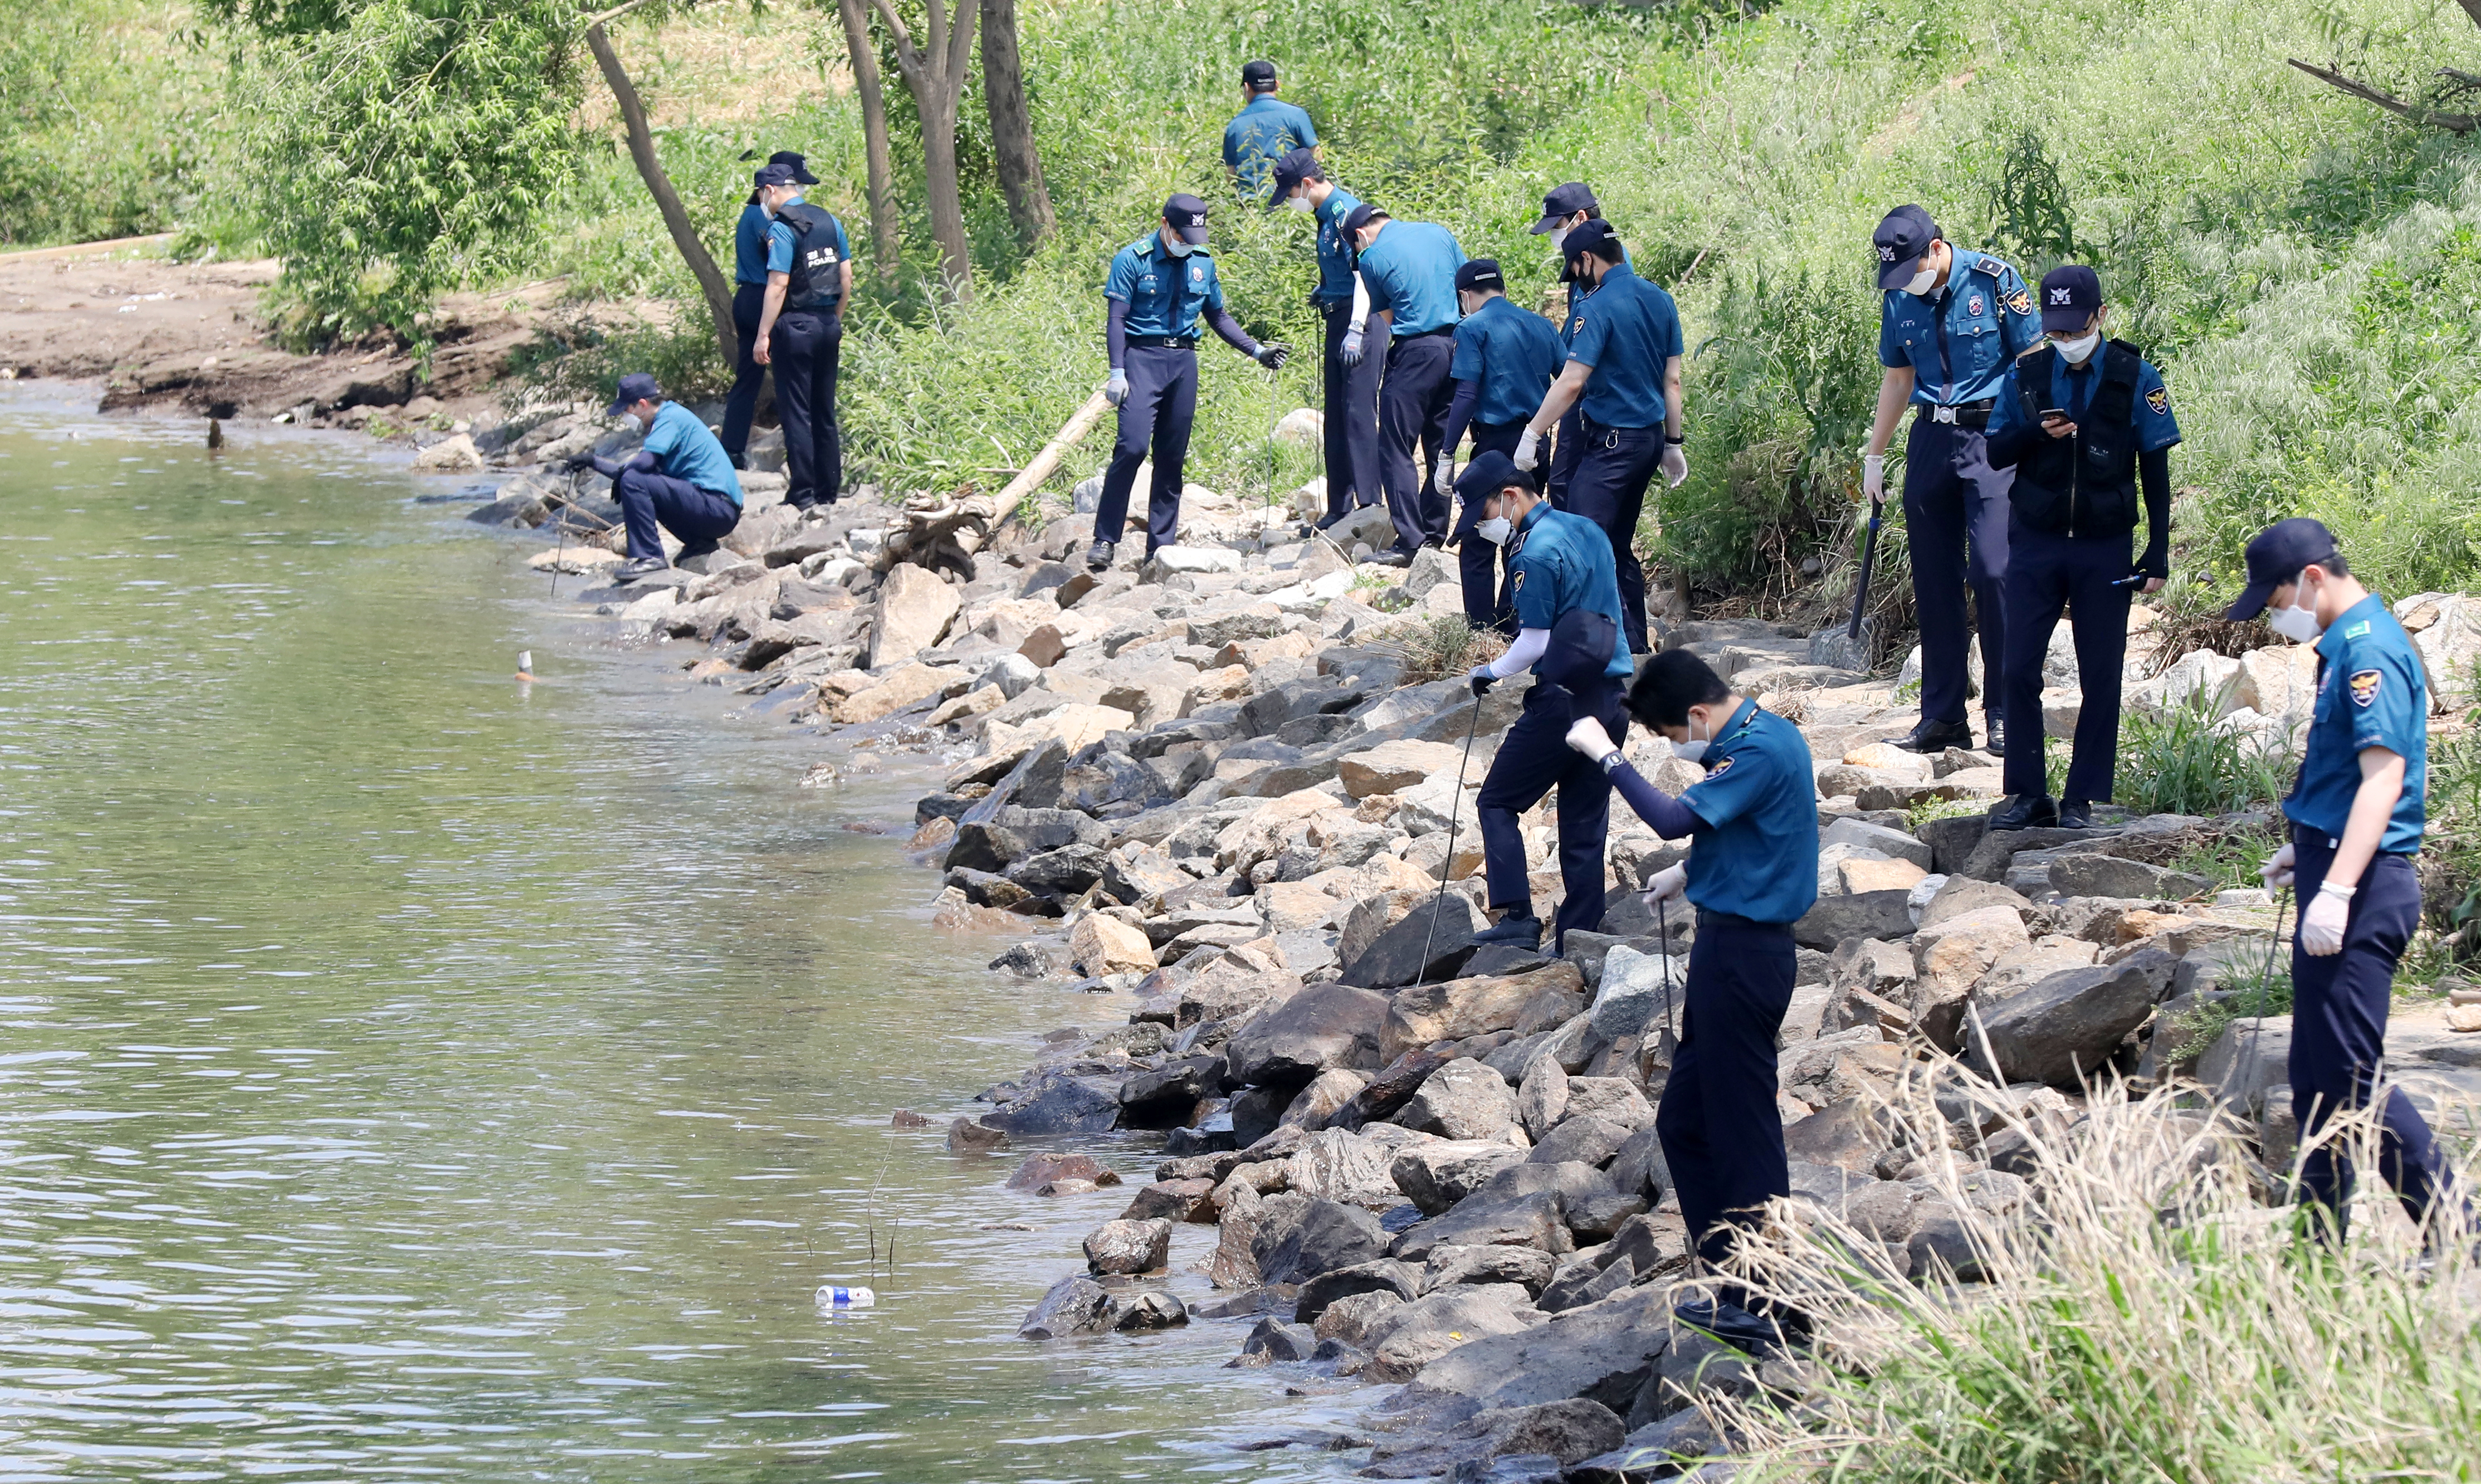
[1902,237]
[2276,556]
[1186,215]
[2071,293]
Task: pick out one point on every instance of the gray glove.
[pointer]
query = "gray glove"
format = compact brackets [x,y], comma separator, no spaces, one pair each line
[1115,391]
[1349,352]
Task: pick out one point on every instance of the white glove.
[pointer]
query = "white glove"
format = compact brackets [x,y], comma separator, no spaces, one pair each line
[1675,464]
[2276,872]
[1349,352]
[1115,391]
[1526,450]
[1667,885]
[2321,926]
[1588,737]
[1873,475]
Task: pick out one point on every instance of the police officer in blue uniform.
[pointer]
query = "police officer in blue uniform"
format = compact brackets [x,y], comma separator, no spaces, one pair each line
[802,334]
[749,237]
[1265,130]
[1623,377]
[1566,207]
[2084,422]
[1158,287]
[1751,872]
[1568,616]
[1348,376]
[1410,271]
[1505,358]
[2356,815]
[1950,323]
[679,480]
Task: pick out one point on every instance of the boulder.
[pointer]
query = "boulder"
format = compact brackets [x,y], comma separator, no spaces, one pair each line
[1950,958]
[1335,1165]
[1075,1305]
[1463,1099]
[1151,1309]
[1489,1218]
[1869,982]
[1614,1097]
[2109,875]
[1316,1237]
[1040,1170]
[1058,1104]
[1324,1096]
[1010,834]
[1288,1042]
[1858,915]
[1604,1352]
[1959,895]
[891,693]
[1450,1263]
[1507,1446]
[1346,1321]
[1401,1280]
[1173,1200]
[1892,844]
[1101,945]
[1231,993]
[1129,1247]
[968,1137]
[1273,1342]
[1393,766]
[911,614]
[1542,1097]
[1431,941]
[1459,1008]
[1586,1139]
[1435,1176]
[2063,1029]
[1854,874]
[1406,1339]
[1065,873]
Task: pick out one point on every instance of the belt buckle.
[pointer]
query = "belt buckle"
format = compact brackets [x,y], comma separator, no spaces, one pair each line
[1943,413]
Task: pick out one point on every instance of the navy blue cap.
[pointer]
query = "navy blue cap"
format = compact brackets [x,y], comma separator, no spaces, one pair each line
[1186,215]
[2276,556]
[773,174]
[1481,273]
[1597,237]
[1901,238]
[1563,202]
[800,168]
[1362,216]
[1258,75]
[636,387]
[2069,294]
[1487,475]
[1295,167]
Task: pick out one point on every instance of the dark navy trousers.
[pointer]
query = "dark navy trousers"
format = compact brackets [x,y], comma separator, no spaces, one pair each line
[1533,759]
[699,517]
[1955,527]
[1413,410]
[1480,565]
[1614,465]
[1721,1133]
[1352,397]
[1564,449]
[2081,575]
[1161,405]
[748,302]
[809,347]
[2338,1034]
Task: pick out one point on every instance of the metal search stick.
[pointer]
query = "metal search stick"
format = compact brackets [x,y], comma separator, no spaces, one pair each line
[1456,806]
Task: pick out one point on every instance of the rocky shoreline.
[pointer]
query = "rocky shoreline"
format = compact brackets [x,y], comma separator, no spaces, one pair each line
[1224,787]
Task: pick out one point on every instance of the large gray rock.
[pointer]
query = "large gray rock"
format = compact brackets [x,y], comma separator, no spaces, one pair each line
[1432,942]
[1504,1446]
[2108,875]
[1319,1237]
[1951,840]
[1463,1099]
[1406,1339]
[1964,893]
[1586,1139]
[1012,834]
[1536,1220]
[1639,1168]
[1286,1044]
[1635,988]
[1602,1352]
[912,613]
[1455,1262]
[1893,844]
[1858,915]
[1385,1275]
[1435,1176]
[1075,1305]
[2063,1029]
[1059,1104]
[1129,1247]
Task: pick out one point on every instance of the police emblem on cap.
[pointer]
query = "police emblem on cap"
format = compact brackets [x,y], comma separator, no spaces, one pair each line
[2021,301]
[1972,305]
[2062,298]
[2158,399]
[1886,252]
[2364,687]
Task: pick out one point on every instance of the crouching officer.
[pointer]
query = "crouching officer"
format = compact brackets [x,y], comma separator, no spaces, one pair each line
[1752,871]
[1568,609]
[679,480]
[1348,377]
[1158,287]
[2082,422]
[1949,322]
[2357,813]
[1504,360]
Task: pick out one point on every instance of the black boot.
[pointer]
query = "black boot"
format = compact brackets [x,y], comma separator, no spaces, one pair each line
[1520,927]
[1997,747]
[2076,814]
[1100,558]
[1936,737]
[2031,811]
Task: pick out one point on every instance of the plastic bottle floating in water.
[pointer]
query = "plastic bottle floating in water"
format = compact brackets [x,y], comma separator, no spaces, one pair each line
[833,1296]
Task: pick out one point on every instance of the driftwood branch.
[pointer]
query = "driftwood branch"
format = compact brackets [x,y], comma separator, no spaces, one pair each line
[952,533]
[2415,113]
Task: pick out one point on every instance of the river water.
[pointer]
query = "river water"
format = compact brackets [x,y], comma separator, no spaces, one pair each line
[410,1072]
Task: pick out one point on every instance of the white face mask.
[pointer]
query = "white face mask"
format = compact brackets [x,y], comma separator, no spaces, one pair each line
[1559,238]
[636,423]
[1920,281]
[1298,203]
[1694,749]
[2297,623]
[1180,249]
[2081,349]
[1496,529]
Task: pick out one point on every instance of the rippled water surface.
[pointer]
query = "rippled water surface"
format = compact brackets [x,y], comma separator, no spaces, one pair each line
[407,1072]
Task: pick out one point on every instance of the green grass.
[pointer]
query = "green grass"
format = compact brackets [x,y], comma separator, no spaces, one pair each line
[2181,762]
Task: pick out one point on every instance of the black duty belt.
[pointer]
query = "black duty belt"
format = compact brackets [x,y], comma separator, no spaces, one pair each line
[2318,840]
[1964,414]
[1424,334]
[1708,917]
[1163,342]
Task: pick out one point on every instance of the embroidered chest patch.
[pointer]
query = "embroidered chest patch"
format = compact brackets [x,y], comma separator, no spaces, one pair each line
[1973,306]
[2364,685]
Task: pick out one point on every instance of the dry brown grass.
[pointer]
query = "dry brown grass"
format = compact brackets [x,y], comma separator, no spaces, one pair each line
[720,67]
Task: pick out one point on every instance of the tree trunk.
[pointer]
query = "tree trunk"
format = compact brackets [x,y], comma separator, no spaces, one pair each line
[676,218]
[1020,165]
[884,253]
[934,73]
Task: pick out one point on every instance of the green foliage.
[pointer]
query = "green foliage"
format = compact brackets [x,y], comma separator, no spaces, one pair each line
[405,146]
[1439,645]
[2181,761]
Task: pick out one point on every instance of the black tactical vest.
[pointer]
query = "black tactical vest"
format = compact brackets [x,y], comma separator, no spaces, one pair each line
[814,282]
[2085,484]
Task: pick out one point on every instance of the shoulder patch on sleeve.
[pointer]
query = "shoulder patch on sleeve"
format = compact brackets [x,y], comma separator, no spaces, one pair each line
[2020,302]
[1719,770]
[2158,399]
[1518,586]
[2364,685]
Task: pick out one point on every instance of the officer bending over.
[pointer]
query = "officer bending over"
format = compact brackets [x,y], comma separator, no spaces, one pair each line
[1160,284]
[1950,323]
[1504,360]
[802,333]
[1410,271]
[2357,818]
[2081,421]
[1568,607]
[679,479]
[1751,872]
[1348,379]
[1265,130]
[1623,376]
